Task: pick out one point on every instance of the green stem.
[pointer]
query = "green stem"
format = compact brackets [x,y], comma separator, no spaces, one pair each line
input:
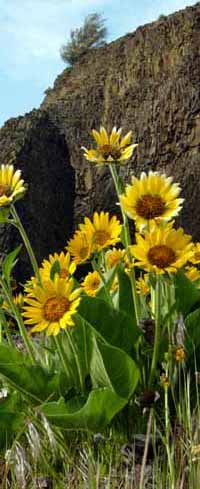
[6,329]
[144,459]
[127,238]
[17,222]
[76,360]
[19,320]
[157,329]
[167,436]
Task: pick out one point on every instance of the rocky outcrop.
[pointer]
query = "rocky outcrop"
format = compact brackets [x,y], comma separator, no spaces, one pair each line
[34,145]
[147,81]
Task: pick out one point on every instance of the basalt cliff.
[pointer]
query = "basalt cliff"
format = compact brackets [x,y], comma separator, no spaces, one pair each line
[147,81]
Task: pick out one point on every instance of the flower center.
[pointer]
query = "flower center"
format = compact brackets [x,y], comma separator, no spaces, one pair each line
[150,206]
[101,237]
[55,308]
[4,189]
[108,150]
[64,273]
[83,253]
[95,283]
[197,255]
[161,255]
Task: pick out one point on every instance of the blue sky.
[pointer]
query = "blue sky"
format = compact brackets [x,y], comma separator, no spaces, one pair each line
[32,32]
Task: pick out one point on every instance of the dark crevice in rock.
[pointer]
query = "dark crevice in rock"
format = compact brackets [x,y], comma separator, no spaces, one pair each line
[47,208]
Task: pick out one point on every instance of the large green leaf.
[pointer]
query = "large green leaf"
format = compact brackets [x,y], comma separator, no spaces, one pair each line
[93,414]
[11,418]
[32,380]
[186,293]
[114,377]
[113,368]
[117,327]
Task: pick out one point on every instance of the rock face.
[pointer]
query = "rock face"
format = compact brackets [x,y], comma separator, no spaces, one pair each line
[147,81]
[35,146]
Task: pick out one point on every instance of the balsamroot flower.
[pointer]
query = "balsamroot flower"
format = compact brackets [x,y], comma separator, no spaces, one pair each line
[192,273]
[11,186]
[162,249]
[91,283]
[80,247]
[109,147]
[195,258]
[151,197]
[102,231]
[142,286]
[114,256]
[52,305]
[65,266]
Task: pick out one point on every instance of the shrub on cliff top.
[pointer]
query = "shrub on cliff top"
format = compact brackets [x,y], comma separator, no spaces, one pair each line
[91,35]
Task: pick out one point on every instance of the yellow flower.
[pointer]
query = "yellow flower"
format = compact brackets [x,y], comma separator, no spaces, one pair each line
[66,268]
[102,231]
[162,249]
[30,285]
[192,273]
[91,283]
[153,196]
[164,380]
[179,354]
[11,186]
[195,258]
[52,306]
[80,247]
[18,300]
[114,256]
[142,286]
[109,147]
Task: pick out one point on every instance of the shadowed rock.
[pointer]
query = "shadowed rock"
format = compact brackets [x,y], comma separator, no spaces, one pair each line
[35,146]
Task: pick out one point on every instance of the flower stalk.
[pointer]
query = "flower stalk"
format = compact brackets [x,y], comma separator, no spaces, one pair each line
[119,189]
[157,329]
[19,320]
[18,224]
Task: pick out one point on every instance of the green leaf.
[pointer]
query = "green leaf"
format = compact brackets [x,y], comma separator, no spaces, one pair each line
[113,368]
[33,381]
[12,418]
[117,327]
[93,414]
[192,324]
[55,269]
[125,294]
[4,215]
[186,293]
[9,263]
[114,377]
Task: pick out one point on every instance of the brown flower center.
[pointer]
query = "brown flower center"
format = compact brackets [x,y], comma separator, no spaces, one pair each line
[55,308]
[150,206]
[161,255]
[101,237]
[64,273]
[95,283]
[83,253]
[4,189]
[197,255]
[108,150]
